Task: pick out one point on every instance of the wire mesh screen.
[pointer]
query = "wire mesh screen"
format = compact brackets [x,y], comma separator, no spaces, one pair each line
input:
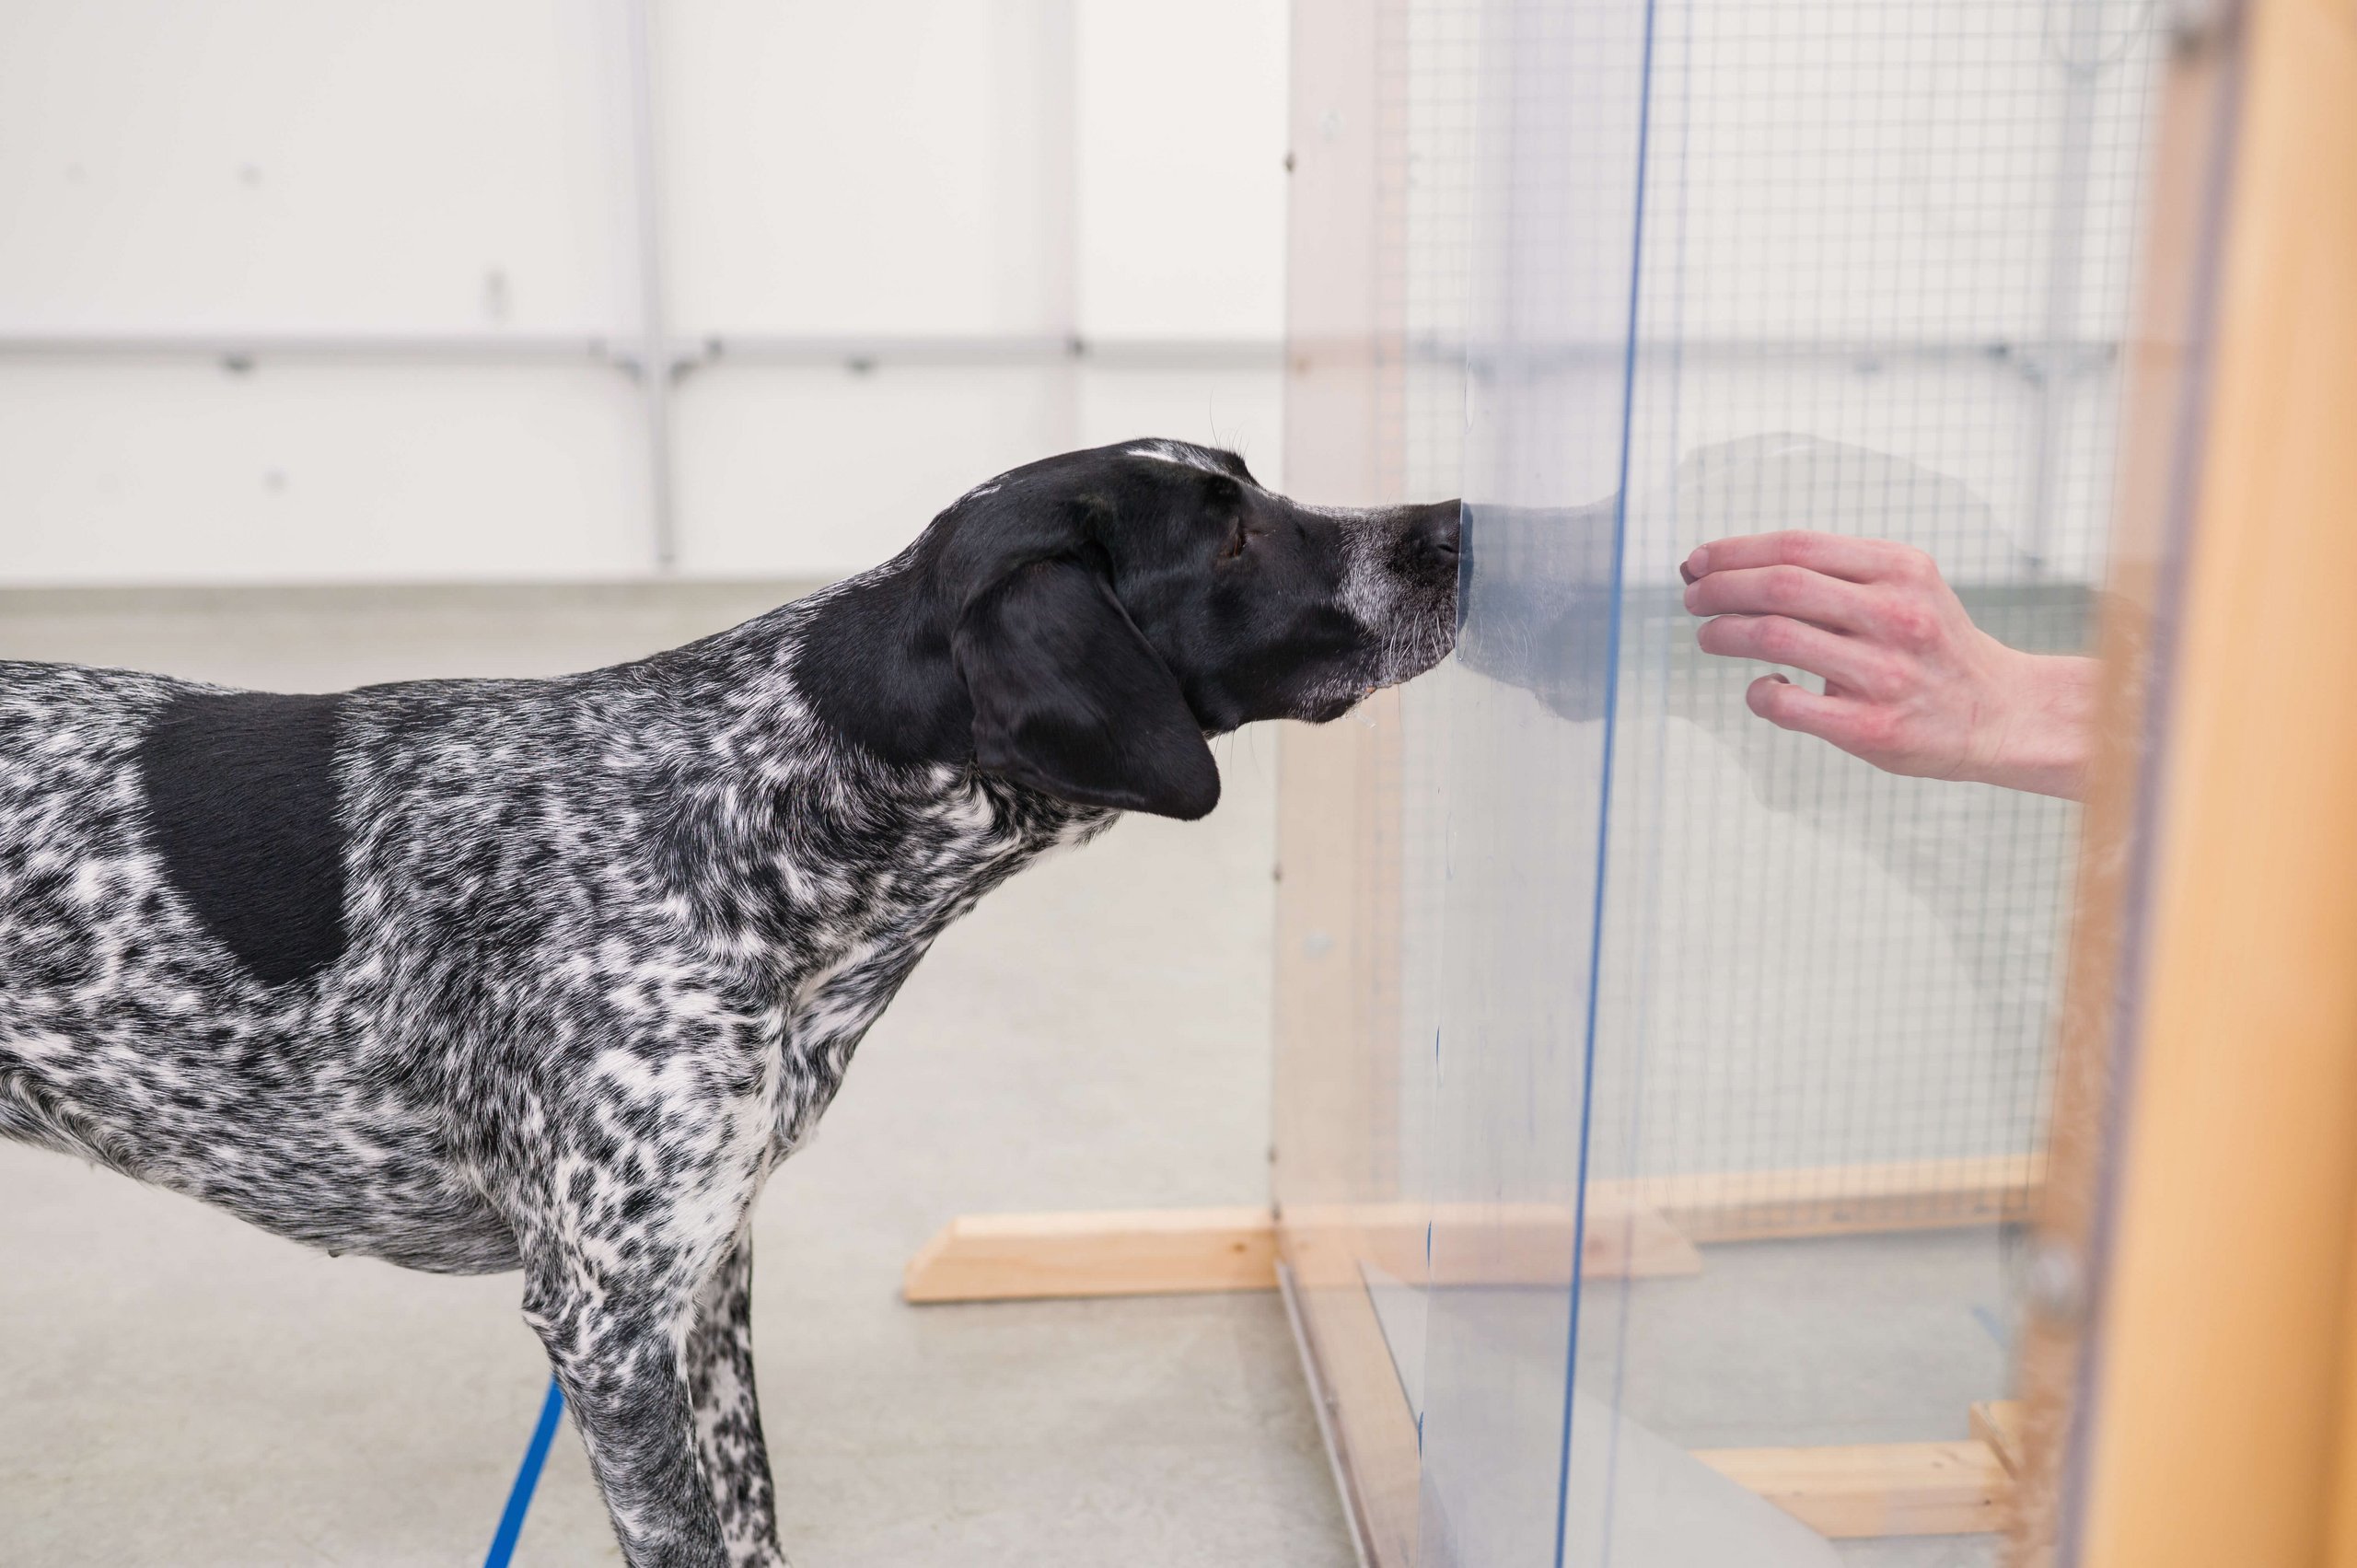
[1668,977]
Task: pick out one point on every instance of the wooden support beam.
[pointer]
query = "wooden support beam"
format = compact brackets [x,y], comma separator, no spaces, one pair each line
[1998,1422]
[1639,1229]
[1884,1489]
[1494,1244]
[1371,1430]
[1135,1252]
[1182,1251]
[2224,1427]
[1842,1199]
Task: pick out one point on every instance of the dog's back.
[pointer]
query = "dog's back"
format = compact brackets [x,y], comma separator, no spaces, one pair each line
[171,887]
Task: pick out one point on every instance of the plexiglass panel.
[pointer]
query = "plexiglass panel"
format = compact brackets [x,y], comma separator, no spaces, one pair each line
[1856,268]
[1755,1033]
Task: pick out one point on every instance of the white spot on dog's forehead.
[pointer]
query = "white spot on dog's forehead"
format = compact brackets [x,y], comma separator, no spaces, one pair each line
[1179,453]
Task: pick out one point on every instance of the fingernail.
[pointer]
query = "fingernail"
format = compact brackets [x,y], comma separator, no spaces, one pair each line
[1697,564]
[1779,680]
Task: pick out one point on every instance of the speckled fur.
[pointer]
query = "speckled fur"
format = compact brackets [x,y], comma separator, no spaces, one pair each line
[611,940]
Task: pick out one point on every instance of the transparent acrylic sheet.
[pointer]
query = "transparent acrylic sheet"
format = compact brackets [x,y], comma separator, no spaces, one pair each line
[1871,280]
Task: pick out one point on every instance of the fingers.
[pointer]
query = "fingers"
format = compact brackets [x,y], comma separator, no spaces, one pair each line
[1835,556]
[1845,661]
[1805,712]
[1783,589]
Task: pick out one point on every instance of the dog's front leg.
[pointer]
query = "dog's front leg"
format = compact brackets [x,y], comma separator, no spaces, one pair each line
[728,1412]
[617,1348]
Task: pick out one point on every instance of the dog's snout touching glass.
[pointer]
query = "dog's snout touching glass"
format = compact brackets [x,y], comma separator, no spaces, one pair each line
[1439,533]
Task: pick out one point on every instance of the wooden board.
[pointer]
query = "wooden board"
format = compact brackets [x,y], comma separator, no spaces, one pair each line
[1636,1229]
[1372,1428]
[1884,1489]
[2159,366]
[1134,1253]
[2222,1429]
[1998,1422]
[1757,1205]
[1500,1244]
[1180,1251]
[1336,1103]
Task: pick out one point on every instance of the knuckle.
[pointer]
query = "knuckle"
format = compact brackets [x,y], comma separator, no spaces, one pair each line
[1909,625]
[1914,565]
[1875,732]
[1885,681]
[1778,638]
[1782,585]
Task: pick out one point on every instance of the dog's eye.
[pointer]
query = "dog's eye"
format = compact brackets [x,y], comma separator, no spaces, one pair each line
[1237,540]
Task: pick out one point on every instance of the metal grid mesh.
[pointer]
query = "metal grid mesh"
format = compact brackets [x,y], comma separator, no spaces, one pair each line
[1885,275]
[1722,267]
[1885,263]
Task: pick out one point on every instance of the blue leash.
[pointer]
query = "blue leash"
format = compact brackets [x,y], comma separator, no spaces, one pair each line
[528,1477]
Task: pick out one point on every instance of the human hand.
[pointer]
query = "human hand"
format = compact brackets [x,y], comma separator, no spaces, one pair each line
[1912,685]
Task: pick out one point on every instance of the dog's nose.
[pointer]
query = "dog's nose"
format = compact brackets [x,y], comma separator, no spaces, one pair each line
[1436,533]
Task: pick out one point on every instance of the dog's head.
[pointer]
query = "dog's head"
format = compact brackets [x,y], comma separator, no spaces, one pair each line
[1080,624]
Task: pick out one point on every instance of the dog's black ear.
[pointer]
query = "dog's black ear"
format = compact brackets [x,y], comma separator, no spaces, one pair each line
[1070,700]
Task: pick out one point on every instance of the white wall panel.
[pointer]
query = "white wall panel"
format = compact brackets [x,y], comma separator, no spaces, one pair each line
[184,473]
[435,165]
[226,171]
[820,472]
[857,168]
[1181,167]
[1241,410]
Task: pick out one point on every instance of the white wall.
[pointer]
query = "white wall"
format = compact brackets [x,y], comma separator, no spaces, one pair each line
[361,273]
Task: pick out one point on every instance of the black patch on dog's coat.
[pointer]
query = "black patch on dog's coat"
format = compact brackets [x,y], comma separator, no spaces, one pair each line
[242,800]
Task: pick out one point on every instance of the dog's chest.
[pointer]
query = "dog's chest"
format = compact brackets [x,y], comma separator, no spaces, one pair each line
[835,1000]
[831,1010]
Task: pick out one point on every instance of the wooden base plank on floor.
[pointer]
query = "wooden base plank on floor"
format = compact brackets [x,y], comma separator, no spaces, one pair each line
[1135,1252]
[1636,1228]
[1498,1243]
[1845,1199]
[1881,1489]
[1182,1251]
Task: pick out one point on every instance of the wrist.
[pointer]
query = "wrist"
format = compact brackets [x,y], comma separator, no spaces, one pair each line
[2042,741]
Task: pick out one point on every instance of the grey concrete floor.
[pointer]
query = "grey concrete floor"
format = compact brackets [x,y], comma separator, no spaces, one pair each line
[178,1389]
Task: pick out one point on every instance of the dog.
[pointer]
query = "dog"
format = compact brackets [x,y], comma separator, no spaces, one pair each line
[548,975]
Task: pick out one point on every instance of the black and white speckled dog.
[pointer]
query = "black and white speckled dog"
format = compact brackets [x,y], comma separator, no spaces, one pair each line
[550,974]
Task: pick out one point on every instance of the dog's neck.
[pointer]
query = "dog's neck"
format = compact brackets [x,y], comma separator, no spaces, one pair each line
[801,845]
